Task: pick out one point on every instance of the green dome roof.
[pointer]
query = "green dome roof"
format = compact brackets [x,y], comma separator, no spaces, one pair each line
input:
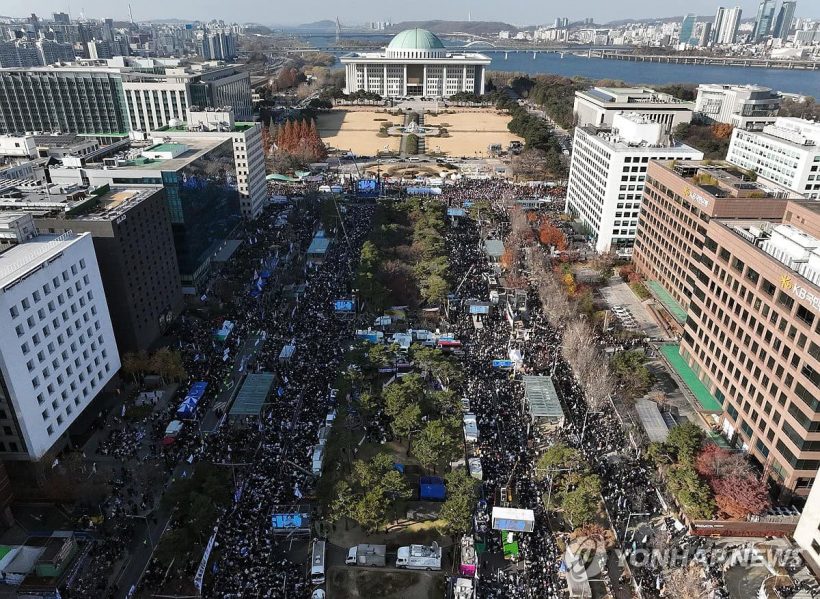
[415,39]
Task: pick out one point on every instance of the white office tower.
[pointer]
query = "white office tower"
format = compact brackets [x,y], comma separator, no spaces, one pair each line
[807,532]
[599,105]
[58,349]
[787,152]
[745,106]
[607,173]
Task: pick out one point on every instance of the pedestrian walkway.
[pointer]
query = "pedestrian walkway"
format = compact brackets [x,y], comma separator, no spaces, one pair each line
[706,400]
[675,309]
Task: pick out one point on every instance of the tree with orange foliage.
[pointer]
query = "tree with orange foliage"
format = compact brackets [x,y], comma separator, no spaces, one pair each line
[722,130]
[549,234]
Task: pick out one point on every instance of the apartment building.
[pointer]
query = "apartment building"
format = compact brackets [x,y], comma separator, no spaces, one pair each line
[607,176]
[787,151]
[58,349]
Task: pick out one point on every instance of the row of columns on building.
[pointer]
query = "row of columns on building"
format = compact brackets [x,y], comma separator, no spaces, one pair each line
[351,76]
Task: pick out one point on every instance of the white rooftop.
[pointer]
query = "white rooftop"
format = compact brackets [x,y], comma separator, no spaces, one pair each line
[21,259]
[794,130]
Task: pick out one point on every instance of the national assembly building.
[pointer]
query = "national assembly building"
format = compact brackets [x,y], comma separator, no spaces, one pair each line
[415,63]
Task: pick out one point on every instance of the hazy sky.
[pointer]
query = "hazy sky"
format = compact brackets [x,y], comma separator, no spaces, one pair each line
[516,12]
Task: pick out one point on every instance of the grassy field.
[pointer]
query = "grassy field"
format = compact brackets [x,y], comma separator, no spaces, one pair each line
[470,132]
[357,131]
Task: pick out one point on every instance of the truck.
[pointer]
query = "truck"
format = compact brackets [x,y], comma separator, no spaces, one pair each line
[419,557]
[317,562]
[367,555]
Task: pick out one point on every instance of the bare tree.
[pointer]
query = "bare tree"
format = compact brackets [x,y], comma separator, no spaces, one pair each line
[685,583]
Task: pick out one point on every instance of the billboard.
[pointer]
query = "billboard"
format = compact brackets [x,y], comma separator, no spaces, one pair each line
[344,305]
[367,187]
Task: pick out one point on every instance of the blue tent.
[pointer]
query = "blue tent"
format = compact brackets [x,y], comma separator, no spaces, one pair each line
[189,404]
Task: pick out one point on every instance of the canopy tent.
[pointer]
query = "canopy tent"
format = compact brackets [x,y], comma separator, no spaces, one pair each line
[281,178]
[189,404]
[424,191]
[252,395]
[287,353]
[652,420]
[542,400]
[494,248]
[514,519]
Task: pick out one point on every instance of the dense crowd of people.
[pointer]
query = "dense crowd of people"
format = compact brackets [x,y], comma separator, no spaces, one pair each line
[270,456]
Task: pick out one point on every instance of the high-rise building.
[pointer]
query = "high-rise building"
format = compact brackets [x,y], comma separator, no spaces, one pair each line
[599,105]
[687,29]
[607,175]
[807,532]
[199,174]
[115,100]
[727,21]
[786,151]
[62,18]
[19,53]
[764,20]
[134,244]
[705,35]
[76,100]
[58,349]
[750,107]
[783,22]
[752,338]
[679,201]
[218,45]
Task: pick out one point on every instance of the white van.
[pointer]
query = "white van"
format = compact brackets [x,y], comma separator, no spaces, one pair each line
[317,563]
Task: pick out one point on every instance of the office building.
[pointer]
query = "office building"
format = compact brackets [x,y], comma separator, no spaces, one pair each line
[134,245]
[153,101]
[785,18]
[65,99]
[687,29]
[598,106]
[248,153]
[199,176]
[415,63]
[787,151]
[764,20]
[679,201]
[114,100]
[607,175]
[727,20]
[705,35]
[58,349]
[750,107]
[753,338]
[807,532]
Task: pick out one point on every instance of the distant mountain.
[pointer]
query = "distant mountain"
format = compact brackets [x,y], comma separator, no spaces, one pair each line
[474,27]
[317,25]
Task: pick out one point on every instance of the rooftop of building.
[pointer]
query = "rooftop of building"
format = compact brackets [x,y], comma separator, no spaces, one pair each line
[451,54]
[796,132]
[74,202]
[734,87]
[635,132]
[787,243]
[415,39]
[722,179]
[133,158]
[628,95]
[21,259]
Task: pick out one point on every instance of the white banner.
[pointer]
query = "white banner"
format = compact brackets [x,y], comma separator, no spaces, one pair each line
[200,572]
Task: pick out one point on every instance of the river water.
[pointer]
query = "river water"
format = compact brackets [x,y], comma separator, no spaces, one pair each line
[793,81]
